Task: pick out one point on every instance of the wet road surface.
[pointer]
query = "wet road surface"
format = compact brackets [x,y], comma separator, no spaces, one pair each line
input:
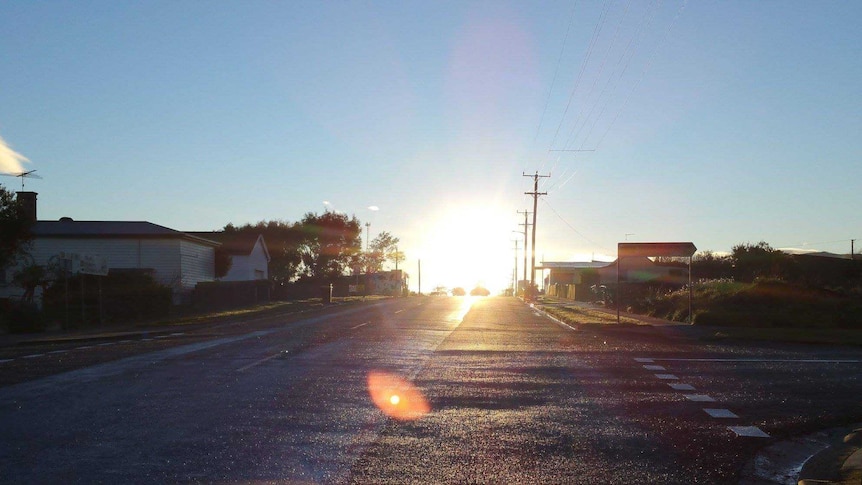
[448,390]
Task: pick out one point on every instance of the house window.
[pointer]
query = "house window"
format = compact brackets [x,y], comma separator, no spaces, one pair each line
[258,274]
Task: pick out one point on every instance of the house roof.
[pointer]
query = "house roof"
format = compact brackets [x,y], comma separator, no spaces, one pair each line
[109,229]
[571,265]
[234,243]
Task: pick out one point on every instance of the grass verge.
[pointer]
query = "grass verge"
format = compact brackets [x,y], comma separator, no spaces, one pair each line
[585,316]
[292,306]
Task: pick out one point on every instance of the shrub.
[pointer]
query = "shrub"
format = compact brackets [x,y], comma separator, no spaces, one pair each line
[24,318]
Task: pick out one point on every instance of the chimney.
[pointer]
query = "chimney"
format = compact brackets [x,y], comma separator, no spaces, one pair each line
[28,204]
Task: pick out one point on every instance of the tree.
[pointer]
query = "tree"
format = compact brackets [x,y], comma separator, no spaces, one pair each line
[223,262]
[751,261]
[708,265]
[381,249]
[331,243]
[14,229]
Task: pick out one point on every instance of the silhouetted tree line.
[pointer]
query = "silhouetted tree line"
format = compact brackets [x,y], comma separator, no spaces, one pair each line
[319,248]
[748,262]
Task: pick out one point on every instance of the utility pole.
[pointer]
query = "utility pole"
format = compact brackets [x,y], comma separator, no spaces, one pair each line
[515,271]
[535,193]
[420,278]
[852,249]
[526,225]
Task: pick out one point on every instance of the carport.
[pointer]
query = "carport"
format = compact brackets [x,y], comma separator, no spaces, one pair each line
[650,250]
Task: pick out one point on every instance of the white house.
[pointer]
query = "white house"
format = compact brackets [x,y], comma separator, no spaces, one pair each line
[174,258]
[248,252]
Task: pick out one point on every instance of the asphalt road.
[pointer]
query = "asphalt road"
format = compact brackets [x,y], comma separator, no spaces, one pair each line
[455,390]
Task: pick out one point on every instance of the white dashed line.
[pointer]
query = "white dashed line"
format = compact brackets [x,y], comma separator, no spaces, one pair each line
[177,334]
[791,361]
[360,325]
[84,347]
[105,344]
[161,336]
[399,311]
[58,352]
[643,360]
[667,377]
[682,387]
[124,341]
[720,413]
[32,356]
[748,431]
[699,398]
[654,367]
[6,360]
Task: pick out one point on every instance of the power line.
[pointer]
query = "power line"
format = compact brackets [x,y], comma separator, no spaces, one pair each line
[596,32]
[643,73]
[572,227]
[556,72]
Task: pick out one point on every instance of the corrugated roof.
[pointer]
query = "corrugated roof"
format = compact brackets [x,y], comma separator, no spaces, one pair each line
[234,243]
[573,264]
[109,229]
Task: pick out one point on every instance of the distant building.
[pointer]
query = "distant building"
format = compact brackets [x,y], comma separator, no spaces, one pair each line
[574,280]
[175,259]
[249,254]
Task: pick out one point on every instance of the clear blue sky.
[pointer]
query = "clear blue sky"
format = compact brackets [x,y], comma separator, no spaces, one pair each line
[714,122]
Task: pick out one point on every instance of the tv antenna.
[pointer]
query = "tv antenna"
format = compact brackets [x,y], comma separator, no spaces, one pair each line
[23,175]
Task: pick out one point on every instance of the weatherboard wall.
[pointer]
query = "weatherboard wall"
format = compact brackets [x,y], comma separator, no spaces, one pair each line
[254,266]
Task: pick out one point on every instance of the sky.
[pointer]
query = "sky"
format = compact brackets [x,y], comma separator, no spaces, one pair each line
[713,122]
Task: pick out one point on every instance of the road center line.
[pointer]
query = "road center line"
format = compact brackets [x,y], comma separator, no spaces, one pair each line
[32,356]
[399,311]
[6,360]
[360,325]
[258,362]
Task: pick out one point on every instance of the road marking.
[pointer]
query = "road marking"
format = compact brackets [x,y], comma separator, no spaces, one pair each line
[699,398]
[720,413]
[748,431]
[161,336]
[177,334]
[654,367]
[124,341]
[6,360]
[84,347]
[682,387]
[32,356]
[58,351]
[146,339]
[399,311]
[668,377]
[360,325]
[643,360]
[105,344]
[802,361]
[261,361]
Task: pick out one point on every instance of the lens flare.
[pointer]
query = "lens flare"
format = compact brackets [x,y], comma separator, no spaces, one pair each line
[397,397]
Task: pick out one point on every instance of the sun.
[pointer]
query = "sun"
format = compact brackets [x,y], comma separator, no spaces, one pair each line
[469,245]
